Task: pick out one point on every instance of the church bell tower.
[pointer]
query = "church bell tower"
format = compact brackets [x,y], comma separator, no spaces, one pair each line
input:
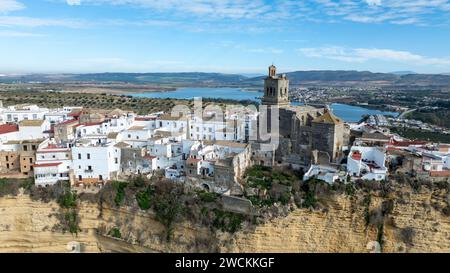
[276,89]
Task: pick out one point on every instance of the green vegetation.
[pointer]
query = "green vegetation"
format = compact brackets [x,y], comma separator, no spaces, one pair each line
[68,200]
[140,106]
[71,221]
[380,235]
[259,202]
[350,188]
[366,203]
[439,117]
[167,208]
[227,221]
[120,191]
[115,232]
[262,177]
[207,197]
[416,134]
[143,199]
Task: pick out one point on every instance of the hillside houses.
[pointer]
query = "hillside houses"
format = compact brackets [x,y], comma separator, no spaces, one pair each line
[86,146]
[210,151]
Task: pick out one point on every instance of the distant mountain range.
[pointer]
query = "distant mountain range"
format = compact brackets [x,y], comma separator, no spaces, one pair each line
[319,77]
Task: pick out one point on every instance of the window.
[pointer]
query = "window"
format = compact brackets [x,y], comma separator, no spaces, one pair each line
[137,137]
[88,156]
[79,156]
[129,136]
[116,160]
[54,156]
[33,147]
[25,147]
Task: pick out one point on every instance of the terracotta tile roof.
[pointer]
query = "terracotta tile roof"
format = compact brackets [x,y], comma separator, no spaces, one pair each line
[68,121]
[407,143]
[8,128]
[356,155]
[144,118]
[46,165]
[445,173]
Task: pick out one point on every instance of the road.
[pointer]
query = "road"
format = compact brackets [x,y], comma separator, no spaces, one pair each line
[406,112]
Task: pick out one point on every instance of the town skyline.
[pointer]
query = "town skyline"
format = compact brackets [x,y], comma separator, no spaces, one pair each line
[90,36]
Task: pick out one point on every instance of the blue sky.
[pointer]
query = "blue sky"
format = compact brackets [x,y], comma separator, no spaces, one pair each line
[230,36]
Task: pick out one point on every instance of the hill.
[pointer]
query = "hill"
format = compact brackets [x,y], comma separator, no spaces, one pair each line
[318,77]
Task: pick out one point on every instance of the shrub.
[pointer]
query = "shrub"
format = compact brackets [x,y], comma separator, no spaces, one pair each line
[366,202]
[207,197]
[115,232]
[407,235]
[310,200]
[143,200]
[227,221]
[71,221]
[167,207]
[68,200]
[120,191]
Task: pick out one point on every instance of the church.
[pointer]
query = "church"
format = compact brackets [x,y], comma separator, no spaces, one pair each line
[307,134]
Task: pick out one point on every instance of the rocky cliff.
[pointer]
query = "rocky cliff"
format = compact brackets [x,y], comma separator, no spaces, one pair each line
[415,223]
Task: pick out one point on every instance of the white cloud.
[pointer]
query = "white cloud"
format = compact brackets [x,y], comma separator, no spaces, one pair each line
[360,55]
[73,2]
[18,34]
[210,8]
[20,21]
[362,11]
[10,5]
[392,11]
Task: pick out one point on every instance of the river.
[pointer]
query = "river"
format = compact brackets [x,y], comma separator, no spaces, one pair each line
[347,112]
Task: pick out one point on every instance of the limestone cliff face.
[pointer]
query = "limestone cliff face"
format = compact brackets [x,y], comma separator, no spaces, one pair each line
[29,226]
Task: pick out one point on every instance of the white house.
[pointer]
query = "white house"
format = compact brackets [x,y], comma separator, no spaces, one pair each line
[367,163]
[33,129]
[17,113]
[95,161]
[8,132]
[328,174]
[53,163]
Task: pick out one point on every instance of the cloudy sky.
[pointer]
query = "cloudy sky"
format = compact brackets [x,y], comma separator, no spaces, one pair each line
[230,36]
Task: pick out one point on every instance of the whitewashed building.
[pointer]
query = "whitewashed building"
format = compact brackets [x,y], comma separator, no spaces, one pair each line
[367,163]
[95,161]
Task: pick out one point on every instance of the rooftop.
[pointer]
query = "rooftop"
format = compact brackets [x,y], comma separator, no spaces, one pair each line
[36,122]
[8,128]
[329,118]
